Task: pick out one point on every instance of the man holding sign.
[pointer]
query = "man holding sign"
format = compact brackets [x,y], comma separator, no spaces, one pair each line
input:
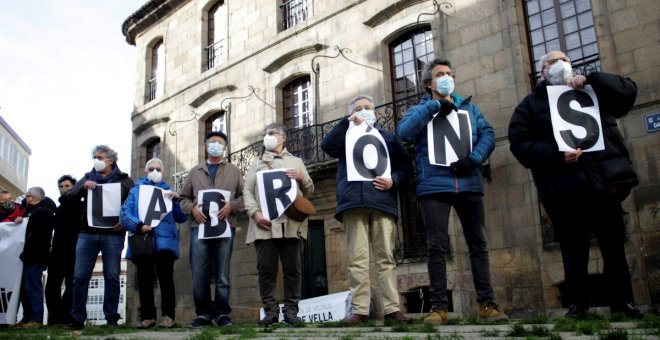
[103,190]
[153,209]
[369,172]
[582,171]
[276,237]
[213,187]
[452,139]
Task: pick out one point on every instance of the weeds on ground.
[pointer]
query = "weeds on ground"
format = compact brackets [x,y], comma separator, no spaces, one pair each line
[491,333]
[616,334]
[588,326]
[649,321]
[539,319]
[518,330]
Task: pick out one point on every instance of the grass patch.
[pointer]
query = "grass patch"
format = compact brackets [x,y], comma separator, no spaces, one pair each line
[649,321]
[518,330]
[539,319]
[616,334]
[588,327]
[491,333]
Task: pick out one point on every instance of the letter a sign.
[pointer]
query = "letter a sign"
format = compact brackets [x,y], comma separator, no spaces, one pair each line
[153,205]
[276,192]
[104,205]
[211,203]
[575,118]
[367,156]
[449,137]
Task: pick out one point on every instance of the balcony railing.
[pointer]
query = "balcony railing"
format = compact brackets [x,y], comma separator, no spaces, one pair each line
[215,54]
[293,12]
[582,66]
[305,143]
[152,86]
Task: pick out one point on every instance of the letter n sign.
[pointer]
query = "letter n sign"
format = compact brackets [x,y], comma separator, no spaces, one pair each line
[449,137]
[575,118]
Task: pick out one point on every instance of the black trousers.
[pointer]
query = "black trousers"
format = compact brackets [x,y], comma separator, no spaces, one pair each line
[161,264]
[60,270]
[269,254]
[578,217]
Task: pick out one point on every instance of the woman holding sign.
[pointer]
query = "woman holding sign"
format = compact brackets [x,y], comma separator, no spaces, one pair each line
[276,236]
[152,209]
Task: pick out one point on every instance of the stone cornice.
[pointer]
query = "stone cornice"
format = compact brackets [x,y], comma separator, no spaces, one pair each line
[279,62]
[149,123]
[210,93]
[147,15]
[390,11]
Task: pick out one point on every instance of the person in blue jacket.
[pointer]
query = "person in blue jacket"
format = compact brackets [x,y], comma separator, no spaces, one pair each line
[458,185]
[368,209]
[166,247]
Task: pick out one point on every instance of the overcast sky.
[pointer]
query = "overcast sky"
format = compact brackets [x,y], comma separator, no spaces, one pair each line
[67,82]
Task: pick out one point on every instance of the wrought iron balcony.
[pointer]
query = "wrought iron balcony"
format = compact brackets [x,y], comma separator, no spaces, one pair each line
[293,12]
[152,86]
[215,54]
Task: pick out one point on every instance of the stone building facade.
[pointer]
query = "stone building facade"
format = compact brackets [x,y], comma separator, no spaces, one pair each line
[239,65]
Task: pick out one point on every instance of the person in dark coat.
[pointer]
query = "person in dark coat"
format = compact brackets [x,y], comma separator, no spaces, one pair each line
[93,238]
[40,212]
[166,247]
[369,211]
[63,255]
[580,199]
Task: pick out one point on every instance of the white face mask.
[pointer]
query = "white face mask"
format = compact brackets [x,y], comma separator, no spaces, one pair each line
[216,149]
[559,73]
[155,176]
[368,116]
[270,142]
[99,165]
[444,85]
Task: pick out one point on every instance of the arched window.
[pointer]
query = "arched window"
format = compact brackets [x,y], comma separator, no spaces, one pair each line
[156,71]
[216,49]
[408,54]
[297,100]
[216,122]
[153,149]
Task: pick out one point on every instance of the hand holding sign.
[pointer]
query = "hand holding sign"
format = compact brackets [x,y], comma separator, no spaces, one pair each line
[572,157]
[383,183]
[262,222]
[210,204]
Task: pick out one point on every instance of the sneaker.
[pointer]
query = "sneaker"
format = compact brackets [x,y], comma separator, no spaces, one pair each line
[268,320]
[292,319]
[437,317]
[200,322]
[148,323]
[31,325]
[398,317]
[223,320]
[629,310]
[490,312]
[356,319]
[166,322]
[577,312]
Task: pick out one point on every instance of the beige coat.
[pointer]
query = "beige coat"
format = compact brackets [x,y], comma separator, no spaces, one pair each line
[269,160]
[228,178]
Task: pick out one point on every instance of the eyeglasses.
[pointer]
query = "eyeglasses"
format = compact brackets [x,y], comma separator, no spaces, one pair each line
[554,60]
[270,133]
[152,169]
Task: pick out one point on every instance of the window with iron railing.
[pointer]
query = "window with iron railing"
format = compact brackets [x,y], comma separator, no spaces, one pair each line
[215,54]
[156,70]
[293,12]
[215,51]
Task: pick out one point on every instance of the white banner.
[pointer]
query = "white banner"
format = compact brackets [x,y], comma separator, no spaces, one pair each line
[276,192]
[153,205]
[211,204]
[332,307]
[367,156]
[449,137]
[12,239]
[575,118]
[104,205]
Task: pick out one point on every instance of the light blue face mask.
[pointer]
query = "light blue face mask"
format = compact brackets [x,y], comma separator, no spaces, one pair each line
[444,85]
[368,116]
[216,149]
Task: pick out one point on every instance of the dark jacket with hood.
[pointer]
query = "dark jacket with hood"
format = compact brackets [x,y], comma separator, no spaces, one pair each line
[533,143]
[38,232]
[79,192]
[67,223]
[363,194]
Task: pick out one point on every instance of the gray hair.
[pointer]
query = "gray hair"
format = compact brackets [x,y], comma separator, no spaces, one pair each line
[427,72]
[151,161]
[544,59]
[112,154]
[279,127]
[37,192]
[351,104]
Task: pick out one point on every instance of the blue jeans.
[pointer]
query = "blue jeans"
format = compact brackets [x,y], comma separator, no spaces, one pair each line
[201,252]
[435,213]
[88,247]
[32,293]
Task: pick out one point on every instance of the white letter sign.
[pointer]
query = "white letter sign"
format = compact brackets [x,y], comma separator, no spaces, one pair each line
[153,205]
[276,192]
[449,137]
[104,205]
[575,118]
[367,156]
[211,204]
[12,239]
